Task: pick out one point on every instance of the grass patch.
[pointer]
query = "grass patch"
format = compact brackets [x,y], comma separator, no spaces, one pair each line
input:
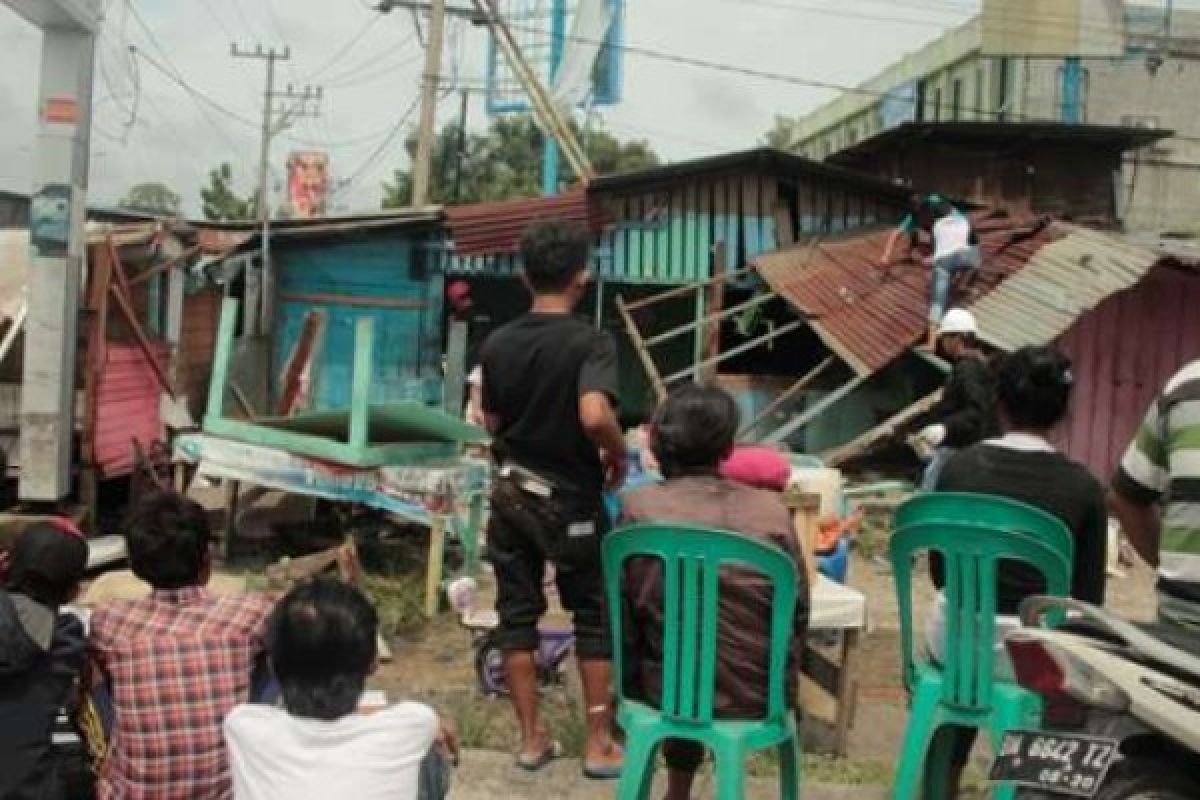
[400,603]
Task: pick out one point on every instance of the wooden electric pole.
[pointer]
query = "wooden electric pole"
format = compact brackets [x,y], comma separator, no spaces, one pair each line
[280,110]
[429,98]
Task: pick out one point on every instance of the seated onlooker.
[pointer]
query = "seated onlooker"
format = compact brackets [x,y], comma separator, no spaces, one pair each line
[692,434]
[175,662]
[41,653]
[322,643]
[1034,390]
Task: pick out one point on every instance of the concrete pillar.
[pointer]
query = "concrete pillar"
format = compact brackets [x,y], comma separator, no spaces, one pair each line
[58,245]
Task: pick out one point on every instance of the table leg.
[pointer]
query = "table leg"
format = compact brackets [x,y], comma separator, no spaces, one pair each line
[231,511]
[847,692]
[433,572]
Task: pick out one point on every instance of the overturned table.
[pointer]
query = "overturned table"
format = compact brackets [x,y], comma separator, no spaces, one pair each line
[840,610]
[402,458]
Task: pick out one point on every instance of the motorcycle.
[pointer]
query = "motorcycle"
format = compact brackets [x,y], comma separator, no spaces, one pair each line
[1121,710]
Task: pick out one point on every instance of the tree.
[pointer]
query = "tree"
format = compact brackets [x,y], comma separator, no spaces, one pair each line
[152,198]
[220,202]
[784,134]
[506,162]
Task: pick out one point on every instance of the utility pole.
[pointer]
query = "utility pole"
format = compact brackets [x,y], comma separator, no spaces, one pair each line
[429,91]
[280,110]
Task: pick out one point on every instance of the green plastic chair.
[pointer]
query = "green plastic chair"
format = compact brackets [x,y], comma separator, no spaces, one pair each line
[692,559]
[972,533]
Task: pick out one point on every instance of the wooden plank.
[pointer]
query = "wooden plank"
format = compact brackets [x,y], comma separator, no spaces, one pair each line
[649,227]
[768,198]
[788,394]
[243,401]
[166,266]
[456,364]
[827,402]
[633,221]
[679,291]
[620,239]
[785,234]
[222,361]
[678,236]
[715,316]
[139,335]
[716,305]
[297,370]
[433,571]
[861,443]
[662,234]
[751,234]
[736,351]
[14,329]
[704,231]
[352,300]
[733,223]
[96,346]
[689,270]
[360,398]
[639,347]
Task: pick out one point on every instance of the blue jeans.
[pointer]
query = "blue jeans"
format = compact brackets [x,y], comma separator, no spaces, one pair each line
[933,470]
[944,270]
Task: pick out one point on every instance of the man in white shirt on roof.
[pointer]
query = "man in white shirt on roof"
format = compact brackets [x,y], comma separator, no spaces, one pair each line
[953,252]
[322,647]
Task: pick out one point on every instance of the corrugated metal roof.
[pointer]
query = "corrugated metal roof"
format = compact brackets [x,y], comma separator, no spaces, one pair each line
[1060,282]
[494,228]
[868,316]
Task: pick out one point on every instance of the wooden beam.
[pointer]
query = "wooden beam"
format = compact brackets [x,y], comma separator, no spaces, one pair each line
[360,397]
[757,300]
[639,347]
[96,344]
[297,370]
[782,330]
[16,323]
[222,361]
[860,444]
[825,403]
[357,301]
[716,305]
[142,340]
[166,266]
[680,291]
[786,396]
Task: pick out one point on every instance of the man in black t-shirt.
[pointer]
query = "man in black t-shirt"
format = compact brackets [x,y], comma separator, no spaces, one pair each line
[549,388]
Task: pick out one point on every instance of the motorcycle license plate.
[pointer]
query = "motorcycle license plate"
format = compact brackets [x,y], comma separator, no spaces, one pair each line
[1057,763]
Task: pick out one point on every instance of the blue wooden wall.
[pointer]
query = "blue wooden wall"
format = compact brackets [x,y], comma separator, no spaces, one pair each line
[388,276]
[665,236]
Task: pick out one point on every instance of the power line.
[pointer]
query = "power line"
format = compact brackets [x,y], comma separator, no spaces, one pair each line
[369,161]
[372,21]
[372,62]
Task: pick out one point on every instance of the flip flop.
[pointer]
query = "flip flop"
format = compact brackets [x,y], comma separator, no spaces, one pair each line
[534,763]
[606,772]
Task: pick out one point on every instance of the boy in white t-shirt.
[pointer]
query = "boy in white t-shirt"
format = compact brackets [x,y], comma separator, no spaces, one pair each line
[322,644]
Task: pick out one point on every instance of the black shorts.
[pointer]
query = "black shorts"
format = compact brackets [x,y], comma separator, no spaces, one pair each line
[524,532]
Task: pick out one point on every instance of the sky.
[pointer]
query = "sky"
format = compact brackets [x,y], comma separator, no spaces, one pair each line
[148,128]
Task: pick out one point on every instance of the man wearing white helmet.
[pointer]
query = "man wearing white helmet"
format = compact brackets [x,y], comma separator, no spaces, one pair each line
[966,412]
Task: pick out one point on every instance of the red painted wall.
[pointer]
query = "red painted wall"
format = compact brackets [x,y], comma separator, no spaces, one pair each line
[1124,350]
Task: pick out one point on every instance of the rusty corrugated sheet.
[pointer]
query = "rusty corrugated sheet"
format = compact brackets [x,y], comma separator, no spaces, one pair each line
[869,316]
[1124,351]
[127,407]
[494,228]
[1060,282]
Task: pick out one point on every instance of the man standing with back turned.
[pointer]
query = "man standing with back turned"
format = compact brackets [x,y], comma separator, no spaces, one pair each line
[549,386]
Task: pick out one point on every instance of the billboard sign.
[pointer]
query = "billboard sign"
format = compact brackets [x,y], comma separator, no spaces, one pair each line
[307,184]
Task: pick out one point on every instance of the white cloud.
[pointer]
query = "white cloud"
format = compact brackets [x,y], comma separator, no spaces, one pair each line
[685,111]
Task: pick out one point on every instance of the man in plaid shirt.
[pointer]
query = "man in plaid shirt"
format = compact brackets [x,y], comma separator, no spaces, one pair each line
[176,662]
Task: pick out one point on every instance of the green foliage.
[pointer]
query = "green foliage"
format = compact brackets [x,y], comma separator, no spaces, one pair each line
[152,198]
[506,162]
[220,203]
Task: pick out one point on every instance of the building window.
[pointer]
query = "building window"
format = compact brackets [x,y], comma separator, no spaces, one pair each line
[919,115]
[1001,87]
[936,116]
[980,110]
[956,100]
[852,135]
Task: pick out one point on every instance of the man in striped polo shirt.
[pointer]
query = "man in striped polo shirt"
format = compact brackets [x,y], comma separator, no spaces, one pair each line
[1156,496]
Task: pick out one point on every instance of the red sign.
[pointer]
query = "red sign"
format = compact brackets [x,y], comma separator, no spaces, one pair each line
[61,111]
